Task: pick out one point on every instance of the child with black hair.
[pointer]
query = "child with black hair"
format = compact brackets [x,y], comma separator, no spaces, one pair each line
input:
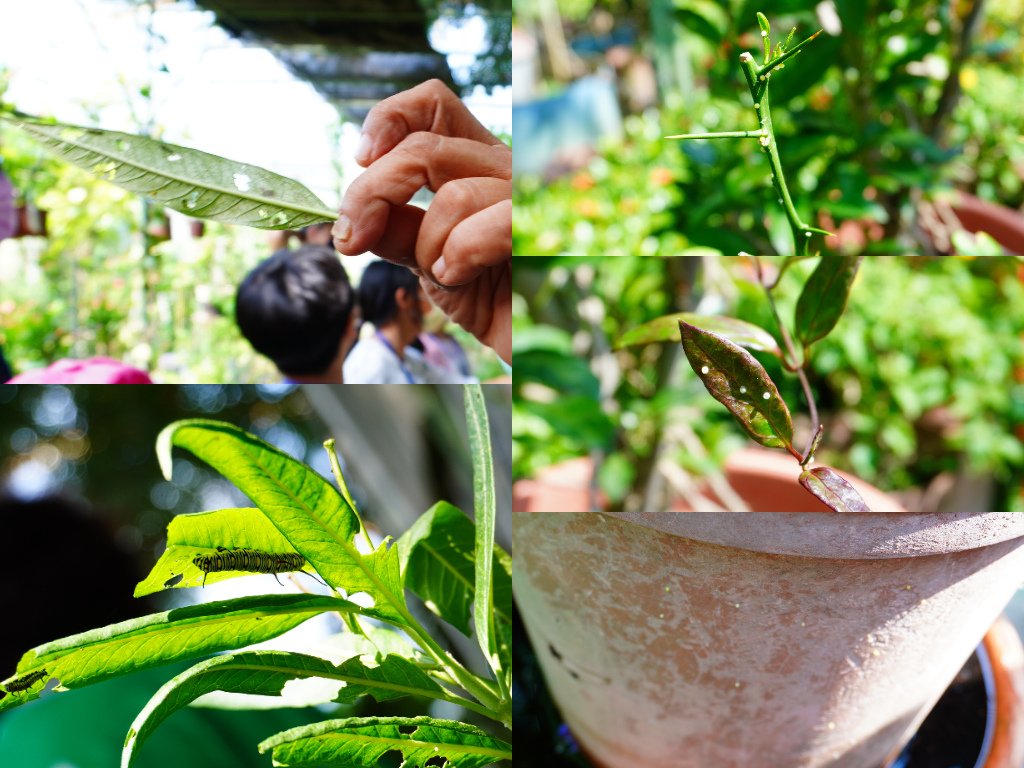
[297,308]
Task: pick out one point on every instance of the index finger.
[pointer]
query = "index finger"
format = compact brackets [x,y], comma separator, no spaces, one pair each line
[431,107]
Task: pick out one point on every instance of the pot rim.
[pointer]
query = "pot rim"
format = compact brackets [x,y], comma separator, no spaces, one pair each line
[860,536]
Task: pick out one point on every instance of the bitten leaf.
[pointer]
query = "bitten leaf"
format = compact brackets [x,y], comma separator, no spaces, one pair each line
[824,297]
[195,183]
[740,383]
[265,673]
[162,638]
[360,742]
[835,492]
[666,328]
[201,534]
[316,519]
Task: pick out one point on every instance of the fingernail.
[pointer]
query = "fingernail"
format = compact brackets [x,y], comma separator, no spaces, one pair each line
[363,149]
[439,269]
[342,229]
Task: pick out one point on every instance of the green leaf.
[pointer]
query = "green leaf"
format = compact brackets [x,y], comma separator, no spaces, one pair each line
[766,31]
[201,534]
[484,508]
[740,383]
[265,673]
[438,565]
[834,492]
[307,510]
[360,742]
[162,638]
[195,183]
[824,297]
[666,328]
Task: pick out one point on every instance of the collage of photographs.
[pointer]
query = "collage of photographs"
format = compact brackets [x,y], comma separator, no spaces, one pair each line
[716,313]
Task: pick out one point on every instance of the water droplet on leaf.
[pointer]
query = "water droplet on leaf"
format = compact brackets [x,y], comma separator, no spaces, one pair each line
[766,395]
[173,158]
[704,369]
[743,390]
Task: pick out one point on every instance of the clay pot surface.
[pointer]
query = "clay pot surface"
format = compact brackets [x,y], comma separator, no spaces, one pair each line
[765,479]
[768,640]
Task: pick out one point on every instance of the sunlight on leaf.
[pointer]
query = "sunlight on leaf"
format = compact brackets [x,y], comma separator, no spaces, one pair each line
[195,183]
[666,328]
[362,742]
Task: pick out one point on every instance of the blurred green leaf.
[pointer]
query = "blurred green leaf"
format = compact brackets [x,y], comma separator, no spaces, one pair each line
[824,297]
[566,374]
[666,328]
[575,417]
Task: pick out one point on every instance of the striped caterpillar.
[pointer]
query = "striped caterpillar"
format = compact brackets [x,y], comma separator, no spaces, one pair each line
[25,682]
[250,561]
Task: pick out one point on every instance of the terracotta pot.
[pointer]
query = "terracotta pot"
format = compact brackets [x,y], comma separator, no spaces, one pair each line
[1005,225]
[1004,738]
[765,479]
[769,640]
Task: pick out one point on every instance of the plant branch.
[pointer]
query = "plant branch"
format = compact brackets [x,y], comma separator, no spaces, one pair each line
[776,62]
[722,135]
[789,361]
[951,88]
[758,85]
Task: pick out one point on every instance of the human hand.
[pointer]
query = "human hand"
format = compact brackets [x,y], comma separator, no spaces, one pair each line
[462,245]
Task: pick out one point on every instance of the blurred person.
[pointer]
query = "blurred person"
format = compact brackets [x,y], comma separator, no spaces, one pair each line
[85,728]
[297,308]
[461,247]
[93,370]
[443,351]
[392,302]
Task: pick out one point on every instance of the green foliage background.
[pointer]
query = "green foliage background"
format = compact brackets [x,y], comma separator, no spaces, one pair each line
[922,375]
[855,130]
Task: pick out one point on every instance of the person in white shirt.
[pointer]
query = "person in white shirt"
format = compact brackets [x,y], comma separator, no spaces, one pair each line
[391,299]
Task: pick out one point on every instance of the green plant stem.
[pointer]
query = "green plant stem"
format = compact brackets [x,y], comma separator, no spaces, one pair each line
[758,85]
[799,369]
[722,135]
[343,487]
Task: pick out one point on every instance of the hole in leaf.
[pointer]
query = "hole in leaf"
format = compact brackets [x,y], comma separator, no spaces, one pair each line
[174,580]
[408,730]
[280,217]
[392,757]
[123,145]
[193,200]
[242,182]
[174,158]
[262,213]
[437,761]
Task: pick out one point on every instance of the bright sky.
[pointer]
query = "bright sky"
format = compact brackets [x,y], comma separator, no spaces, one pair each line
[69,57]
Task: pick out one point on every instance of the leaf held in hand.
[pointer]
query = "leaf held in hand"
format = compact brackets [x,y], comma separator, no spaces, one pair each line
[740,383]
[195,183]
[834,492]
[666,328]
[824,296]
